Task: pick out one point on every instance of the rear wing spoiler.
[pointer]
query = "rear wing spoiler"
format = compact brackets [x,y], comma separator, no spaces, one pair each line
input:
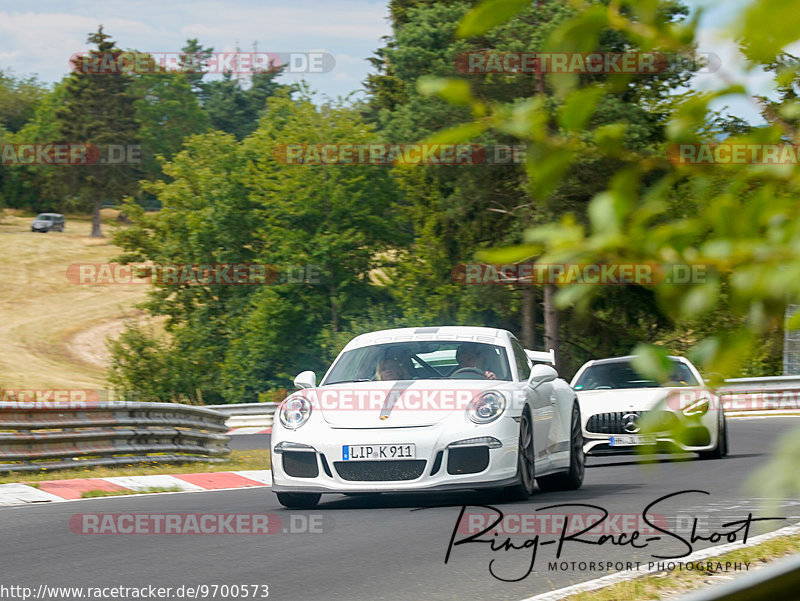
[542,356]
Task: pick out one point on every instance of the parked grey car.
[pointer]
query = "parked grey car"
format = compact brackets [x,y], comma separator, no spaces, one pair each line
[45,222]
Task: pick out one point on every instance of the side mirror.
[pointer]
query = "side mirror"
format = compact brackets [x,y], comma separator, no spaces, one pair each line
[306,379]
[540,374]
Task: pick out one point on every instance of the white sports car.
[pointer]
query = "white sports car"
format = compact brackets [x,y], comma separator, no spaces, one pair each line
[428,409]
[623,411]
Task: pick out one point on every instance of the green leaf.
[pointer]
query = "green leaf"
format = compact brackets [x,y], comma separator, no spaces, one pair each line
[652,362]
[766,27]
[723,353]
[609,138]
[489,14]
[453,90]
[579,107]
[457,134]
[581,32]
[547,171]
[606,210]
[510,254]
[793,323]
[790,110]
[700,299]
[572,295]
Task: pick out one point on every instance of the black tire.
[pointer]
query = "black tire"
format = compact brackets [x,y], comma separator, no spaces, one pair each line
[298,500]
[721,449]
[573,478]
[525,462]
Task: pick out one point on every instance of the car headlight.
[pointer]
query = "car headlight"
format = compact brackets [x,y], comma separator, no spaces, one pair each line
[486,407]
[295,412]
[700,407]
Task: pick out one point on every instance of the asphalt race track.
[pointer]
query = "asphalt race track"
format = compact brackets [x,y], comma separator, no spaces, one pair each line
[391,546]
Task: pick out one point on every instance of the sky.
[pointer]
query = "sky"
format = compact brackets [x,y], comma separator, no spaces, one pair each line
[39,37]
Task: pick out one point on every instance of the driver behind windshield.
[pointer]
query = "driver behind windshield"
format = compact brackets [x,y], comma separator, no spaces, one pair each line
[390,369]
[471,355]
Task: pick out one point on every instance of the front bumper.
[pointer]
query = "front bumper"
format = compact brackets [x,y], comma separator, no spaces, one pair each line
[691,435]
[324,470]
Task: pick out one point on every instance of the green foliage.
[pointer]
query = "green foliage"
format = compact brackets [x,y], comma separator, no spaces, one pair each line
[489,14]
[98,109]
[19,98]
[24,102]
[150,107]
[160,376]
[231,202]
[229,105]
[192,63]
[167,112]
[456,211]
[743,230]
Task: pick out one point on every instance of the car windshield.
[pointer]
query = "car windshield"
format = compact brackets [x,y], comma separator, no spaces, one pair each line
[622,375]
[44,217]
[421,361]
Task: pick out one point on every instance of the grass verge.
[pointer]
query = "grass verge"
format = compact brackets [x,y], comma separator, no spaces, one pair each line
[90,494]
[254,459]
[669,585]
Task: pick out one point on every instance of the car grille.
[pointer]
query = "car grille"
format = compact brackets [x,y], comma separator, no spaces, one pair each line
[300,464]
[377,471]
[611,423]
[467,460]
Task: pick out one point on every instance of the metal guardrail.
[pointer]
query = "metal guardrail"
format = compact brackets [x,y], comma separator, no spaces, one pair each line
[764,394]
[762,384]
[245,408]
[245,415]
[75,434]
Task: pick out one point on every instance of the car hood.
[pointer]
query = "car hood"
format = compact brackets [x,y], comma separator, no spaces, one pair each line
[405,403]
[635,399]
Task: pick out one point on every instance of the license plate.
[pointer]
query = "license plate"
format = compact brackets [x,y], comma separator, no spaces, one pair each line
[378,451]
[631,440]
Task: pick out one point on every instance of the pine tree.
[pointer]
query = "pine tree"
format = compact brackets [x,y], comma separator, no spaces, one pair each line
[99,110]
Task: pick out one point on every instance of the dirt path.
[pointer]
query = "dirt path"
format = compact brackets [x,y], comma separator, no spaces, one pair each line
[90,345]
[53,331]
